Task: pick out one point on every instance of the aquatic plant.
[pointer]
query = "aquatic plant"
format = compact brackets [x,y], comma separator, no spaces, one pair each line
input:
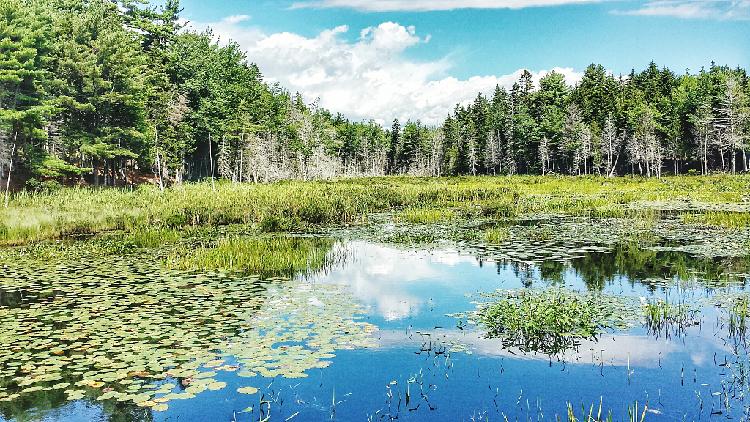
[120,328]
[267,256]
[665,318]
[729,219]
[551,320]
[426,215]
[736,311]
[496,235]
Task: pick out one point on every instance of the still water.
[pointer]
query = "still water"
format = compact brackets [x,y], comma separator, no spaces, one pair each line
[409,358]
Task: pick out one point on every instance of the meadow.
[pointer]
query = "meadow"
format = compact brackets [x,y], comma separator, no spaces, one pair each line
[303,206]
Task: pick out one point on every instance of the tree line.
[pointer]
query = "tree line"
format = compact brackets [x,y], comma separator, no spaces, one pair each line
[116,92]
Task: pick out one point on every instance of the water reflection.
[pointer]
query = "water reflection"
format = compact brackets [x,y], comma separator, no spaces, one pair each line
[447,372]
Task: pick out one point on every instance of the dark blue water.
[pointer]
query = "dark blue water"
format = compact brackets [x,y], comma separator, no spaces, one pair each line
[426,368]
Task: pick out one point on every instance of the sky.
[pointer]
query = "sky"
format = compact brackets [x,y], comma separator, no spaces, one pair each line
[416,59]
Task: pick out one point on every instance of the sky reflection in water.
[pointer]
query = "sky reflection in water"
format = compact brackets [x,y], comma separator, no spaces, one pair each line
[408,294]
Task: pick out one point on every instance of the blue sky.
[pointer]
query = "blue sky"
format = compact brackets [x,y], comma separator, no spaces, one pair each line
[453,48]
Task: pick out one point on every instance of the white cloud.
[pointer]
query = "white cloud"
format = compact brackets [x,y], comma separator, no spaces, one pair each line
[431,5]
[694,9]
[367,78]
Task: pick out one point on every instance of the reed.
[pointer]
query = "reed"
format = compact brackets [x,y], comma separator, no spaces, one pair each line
[297,205]
[267,256]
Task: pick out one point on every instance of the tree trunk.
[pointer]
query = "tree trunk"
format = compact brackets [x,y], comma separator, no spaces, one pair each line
[10,170]
[211,161]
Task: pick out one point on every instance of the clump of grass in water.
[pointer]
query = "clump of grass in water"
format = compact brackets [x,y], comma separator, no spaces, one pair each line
[147,237]
[664,318]
[496,235]
[553,320]
[737,318]
[425,216]
[265,256]
[728,219]
[635,413]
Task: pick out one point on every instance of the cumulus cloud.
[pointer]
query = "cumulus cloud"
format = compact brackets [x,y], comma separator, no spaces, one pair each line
[431,5]
[694,9]
[369,77]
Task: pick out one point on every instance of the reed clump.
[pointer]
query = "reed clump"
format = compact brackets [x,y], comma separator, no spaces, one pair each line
[551,320]
[267,256]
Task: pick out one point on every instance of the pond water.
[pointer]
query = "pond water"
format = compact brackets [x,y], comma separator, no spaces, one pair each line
[372,337]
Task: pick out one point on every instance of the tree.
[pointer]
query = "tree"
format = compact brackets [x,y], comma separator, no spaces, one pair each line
[610,143]
[25,42]
[703,122]
[393,146]
[731,120]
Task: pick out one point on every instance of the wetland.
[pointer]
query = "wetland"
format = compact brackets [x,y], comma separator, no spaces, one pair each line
[466,299]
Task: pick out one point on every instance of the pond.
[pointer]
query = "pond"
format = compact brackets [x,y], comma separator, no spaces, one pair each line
[383,331]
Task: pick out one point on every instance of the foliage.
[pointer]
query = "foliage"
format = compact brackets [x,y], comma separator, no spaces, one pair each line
[266,256]
[550,321]
[107,92]
[289,206]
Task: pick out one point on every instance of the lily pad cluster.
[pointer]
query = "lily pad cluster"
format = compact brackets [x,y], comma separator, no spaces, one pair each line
[125,329]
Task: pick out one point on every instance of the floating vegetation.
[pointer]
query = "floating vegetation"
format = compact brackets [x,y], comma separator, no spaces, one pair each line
[551,321]
[122,329]
[730,219]
[663,318]
[267,256]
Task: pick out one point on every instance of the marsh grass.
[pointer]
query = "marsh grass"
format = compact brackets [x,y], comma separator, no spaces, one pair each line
[591,415]
[551,320]
[287,206]
[665,318]
[737,315]
[425,215]
[267,256]
[728,219]
[496,235]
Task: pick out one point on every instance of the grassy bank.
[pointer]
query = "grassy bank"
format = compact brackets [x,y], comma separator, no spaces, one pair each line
[290,206]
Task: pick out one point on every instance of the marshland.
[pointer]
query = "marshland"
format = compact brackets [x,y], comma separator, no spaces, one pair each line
[381,210]
[483,298]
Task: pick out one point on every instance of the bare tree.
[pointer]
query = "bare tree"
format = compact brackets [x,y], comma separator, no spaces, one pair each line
[703,122]
[610,144]
[544,154]
[732,116]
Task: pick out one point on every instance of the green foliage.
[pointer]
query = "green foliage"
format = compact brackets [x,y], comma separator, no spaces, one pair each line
[106,93]
[426,216]
[552,320]
[289,206]
[496,235]
[265,256]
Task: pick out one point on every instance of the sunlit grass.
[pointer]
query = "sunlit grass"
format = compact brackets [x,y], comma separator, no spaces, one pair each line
[496,235]
[426,215]
[266,256]
[288,206]
[730,219]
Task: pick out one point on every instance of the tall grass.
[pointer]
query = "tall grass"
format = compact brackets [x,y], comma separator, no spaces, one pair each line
[297,205]
[267,256]
[729,219]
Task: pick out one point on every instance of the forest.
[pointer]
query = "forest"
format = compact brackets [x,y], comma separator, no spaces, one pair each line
[115,93]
